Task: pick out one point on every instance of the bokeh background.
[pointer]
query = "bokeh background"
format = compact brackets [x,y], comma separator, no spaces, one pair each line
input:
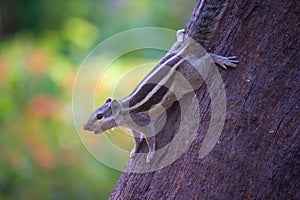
[42,45]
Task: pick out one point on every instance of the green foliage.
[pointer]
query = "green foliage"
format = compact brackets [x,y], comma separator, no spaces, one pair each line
[43,44]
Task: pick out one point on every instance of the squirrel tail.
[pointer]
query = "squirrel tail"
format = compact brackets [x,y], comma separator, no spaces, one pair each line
[207,14]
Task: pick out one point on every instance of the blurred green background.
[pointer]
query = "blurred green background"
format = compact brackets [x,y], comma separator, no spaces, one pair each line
[42,44]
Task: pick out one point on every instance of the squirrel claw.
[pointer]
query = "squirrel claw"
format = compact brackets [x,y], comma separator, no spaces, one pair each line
[225,62]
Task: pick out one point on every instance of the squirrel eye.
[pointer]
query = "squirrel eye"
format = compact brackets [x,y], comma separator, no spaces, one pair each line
[99,116]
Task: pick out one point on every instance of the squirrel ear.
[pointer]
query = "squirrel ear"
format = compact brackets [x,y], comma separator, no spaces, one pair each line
[115,107]
[108,100]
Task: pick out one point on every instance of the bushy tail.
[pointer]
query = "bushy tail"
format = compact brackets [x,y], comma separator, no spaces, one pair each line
[205,19]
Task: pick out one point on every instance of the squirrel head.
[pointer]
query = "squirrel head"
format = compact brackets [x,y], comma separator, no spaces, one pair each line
[104,117]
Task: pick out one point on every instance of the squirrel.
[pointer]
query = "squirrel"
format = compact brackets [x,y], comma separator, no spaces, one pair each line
[176,75]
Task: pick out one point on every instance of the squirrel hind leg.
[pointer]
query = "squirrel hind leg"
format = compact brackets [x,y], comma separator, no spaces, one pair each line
[223,61]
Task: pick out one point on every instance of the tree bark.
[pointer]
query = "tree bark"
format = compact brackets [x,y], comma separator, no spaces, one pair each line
[257,156]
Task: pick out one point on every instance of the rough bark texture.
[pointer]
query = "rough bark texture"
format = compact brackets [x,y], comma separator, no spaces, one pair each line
[258,154]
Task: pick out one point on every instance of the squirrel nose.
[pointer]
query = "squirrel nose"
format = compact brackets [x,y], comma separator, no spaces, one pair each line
[86,127]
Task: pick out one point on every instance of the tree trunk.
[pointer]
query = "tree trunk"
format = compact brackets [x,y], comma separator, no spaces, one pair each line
[257,156]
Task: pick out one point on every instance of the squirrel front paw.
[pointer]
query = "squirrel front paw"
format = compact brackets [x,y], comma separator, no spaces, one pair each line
[150,156]
[133,153]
